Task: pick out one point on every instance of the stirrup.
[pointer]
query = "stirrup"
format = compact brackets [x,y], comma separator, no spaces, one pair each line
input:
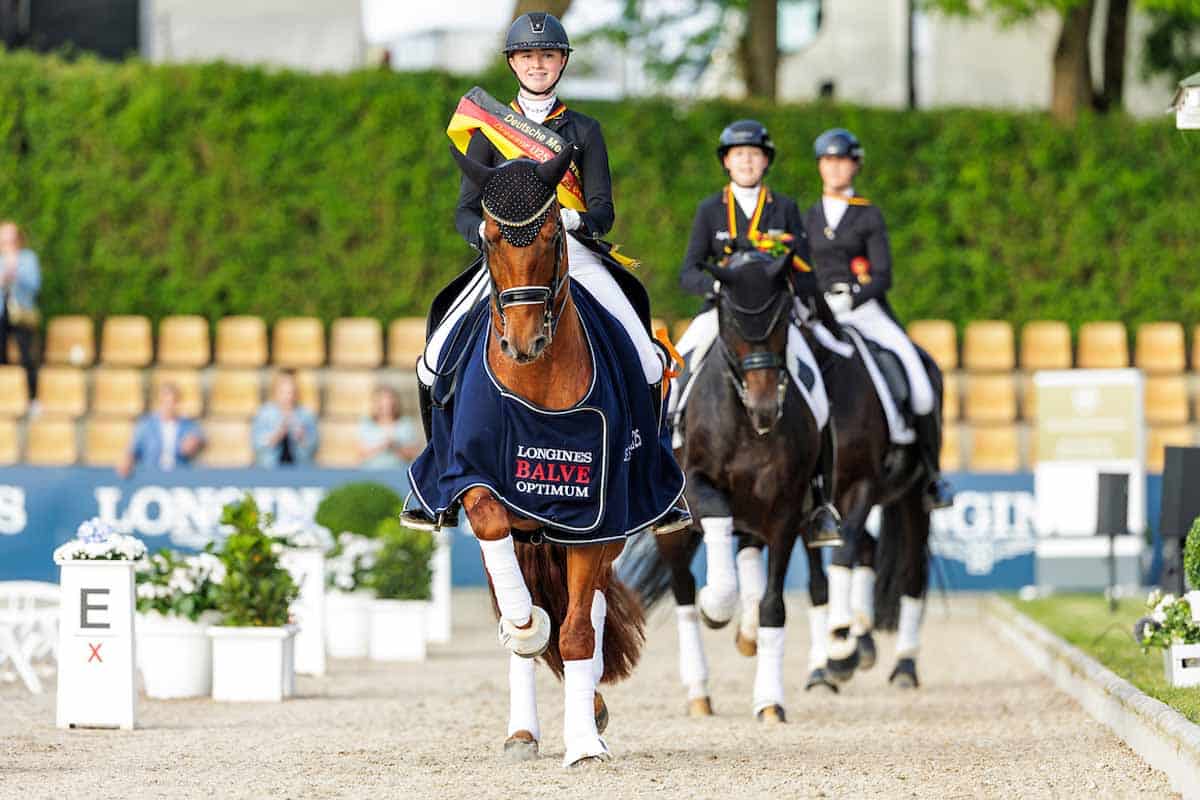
[826,527]
[938,495]
[679,518]
[416,518]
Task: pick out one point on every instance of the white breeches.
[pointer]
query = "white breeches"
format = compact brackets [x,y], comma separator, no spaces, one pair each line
[875,324]
[699,338]
[585,267]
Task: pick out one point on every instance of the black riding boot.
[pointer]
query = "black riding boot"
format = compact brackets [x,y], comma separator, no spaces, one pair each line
[938,493]
[679,517]
[415,517]
[825,522]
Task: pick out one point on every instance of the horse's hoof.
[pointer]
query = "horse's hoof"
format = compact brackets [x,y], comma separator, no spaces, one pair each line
[700,707]
[601,709]
[772,714]
[819,679]
[745,645]
[709,622]
[588,756]
[904,676]
[521,746]
[528,642]
[842,658]
[588,762]
[866,652]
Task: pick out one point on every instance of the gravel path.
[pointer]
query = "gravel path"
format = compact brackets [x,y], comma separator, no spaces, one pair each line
[983,725]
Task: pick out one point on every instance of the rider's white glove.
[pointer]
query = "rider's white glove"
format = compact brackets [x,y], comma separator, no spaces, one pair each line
[570,218]
[839,302]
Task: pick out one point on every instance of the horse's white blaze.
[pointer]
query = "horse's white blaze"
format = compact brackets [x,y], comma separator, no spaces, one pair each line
[862,600]
[579,716]
[718,598]
[752,584]
[693,668]
[522,696]
[818,628]
[768,677]
[908,632]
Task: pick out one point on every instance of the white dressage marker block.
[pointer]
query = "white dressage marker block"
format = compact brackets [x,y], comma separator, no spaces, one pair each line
[307,567]
[96,645]
[438,625]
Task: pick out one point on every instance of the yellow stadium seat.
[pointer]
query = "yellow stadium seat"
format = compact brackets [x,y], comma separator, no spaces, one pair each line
[951,409]
[406,341]
[951,448]
[183,342]
[1166,400]
[227,444]
[938,338]
[62,391]
[309,390]
[241,342]
[235,393]
[51,442]
[70,340]
[988,346]
[994,448]
[118,392]
[298,342]
[191,396]
[1160,347]
[348,393]
[14,392]
[356,342]
[125,341]
[1029,410]
[339,444]
[991,398]
[1103,345]
[10,443]
[1045,344]
[105,441]
[1157,440]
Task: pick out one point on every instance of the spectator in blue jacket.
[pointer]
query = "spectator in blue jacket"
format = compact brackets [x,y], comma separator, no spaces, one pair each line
[20,282]
[163,439]
[284,432]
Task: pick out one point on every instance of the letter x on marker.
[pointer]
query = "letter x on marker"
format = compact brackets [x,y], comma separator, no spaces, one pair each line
[95,652]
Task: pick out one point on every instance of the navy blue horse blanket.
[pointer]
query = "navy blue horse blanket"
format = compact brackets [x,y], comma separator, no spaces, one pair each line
[599,471]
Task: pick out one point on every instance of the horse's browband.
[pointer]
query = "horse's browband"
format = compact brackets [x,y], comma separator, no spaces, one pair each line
[521,223]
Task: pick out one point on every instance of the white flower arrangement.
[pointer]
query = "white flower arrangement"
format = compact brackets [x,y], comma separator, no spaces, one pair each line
[300,534]
[175,584]
[347,567]
[97,540]
[1169,623]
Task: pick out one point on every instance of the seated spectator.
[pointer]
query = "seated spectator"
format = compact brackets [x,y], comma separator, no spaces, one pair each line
[163,439]
[284,432]
[385,439]
[20,281]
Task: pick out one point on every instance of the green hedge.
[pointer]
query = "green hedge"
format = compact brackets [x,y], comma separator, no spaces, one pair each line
[216,189]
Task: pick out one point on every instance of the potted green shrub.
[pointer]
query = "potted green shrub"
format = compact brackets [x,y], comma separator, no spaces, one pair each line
[358,507]
[253,653]
[402,578]
[176,602]
[348,596]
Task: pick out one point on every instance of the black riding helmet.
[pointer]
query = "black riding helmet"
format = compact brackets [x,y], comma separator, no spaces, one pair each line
[838,142]
[537,31]
[746,132]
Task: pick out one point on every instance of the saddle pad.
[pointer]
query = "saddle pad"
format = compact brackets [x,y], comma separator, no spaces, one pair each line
[596,472]
[898,429]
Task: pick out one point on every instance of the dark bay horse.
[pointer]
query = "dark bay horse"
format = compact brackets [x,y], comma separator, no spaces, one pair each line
[750,446]
[537,351]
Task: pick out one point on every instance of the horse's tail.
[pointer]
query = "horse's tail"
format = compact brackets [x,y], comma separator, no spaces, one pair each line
[898,569]
[545,569]
[649,561]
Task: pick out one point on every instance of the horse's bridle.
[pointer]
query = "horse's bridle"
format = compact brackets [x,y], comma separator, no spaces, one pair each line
[735,368]
[552,296]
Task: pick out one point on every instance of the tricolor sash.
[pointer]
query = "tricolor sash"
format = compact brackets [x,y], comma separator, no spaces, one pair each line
[515,136]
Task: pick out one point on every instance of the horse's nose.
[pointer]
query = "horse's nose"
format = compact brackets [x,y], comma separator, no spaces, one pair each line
[763,417]
[538,346]
[507,348]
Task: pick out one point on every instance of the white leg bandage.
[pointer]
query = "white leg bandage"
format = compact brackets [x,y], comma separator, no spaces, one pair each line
[908,632]
[512,595]
[693,669]
[579,712]
[718,598]
[840,615]
[862,600]
[522,696]
[599,611]
[752,584]
[818,629]
[768,678]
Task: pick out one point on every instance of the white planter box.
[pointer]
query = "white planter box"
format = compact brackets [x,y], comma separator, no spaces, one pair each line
[438,621]
[1181,664]
[252,664]
[398,630]
[96,652]
[307,567]
[348,623]
[174,656]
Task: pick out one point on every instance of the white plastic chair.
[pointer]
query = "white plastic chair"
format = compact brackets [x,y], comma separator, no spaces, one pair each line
[28,626]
